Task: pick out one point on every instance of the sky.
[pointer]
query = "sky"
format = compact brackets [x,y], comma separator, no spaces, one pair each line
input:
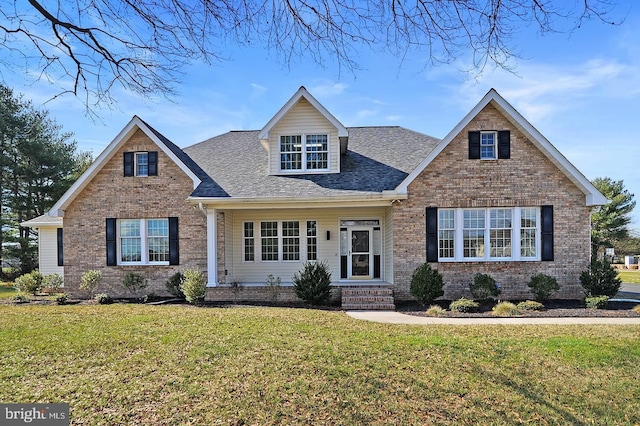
[580,89]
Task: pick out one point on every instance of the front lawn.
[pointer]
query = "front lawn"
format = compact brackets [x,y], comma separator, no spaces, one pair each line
[155,365]
[630,276]
[6,290]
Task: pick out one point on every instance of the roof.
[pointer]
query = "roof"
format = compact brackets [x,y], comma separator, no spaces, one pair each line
[197,175]
[43,221]
[378,160]
[592,195]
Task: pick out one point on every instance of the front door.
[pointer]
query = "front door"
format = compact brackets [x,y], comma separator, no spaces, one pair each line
[360,264]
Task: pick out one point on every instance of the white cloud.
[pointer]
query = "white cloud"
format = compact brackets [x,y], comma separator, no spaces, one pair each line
[328,89]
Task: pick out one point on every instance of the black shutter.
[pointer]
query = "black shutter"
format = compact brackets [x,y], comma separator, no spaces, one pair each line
[128,163]
[174,242]
[432,234]
[474,145]
[60,248]
[111,242]
[546,213]
[504,144]
[153,163]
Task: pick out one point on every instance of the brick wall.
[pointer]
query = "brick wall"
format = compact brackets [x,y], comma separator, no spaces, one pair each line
[110,194]
[527,179]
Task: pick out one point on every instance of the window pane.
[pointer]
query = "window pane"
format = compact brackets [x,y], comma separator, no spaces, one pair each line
[500,236]
[290,240]
[312,240]
[158,240]
[291,152]
[317,152]
[269,240]
[130,241]
[446,233]
[473,233]
[528,232]
[142,164]
[249,242]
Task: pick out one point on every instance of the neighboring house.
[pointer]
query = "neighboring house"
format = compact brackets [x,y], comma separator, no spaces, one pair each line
[494,196]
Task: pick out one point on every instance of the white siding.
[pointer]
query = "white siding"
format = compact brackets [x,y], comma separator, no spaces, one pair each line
[228,246]
[303,118]
[48,251]
[327,220]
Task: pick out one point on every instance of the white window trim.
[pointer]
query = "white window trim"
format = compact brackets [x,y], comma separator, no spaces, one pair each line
[135,163]
[144,243]
[302,237]
[255,248]
[303,153]
[306,240]
[495,145]
[515,237]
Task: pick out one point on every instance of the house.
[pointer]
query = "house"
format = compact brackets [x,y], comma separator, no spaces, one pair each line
[494,196]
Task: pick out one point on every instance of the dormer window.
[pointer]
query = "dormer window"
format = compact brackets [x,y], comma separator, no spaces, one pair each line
[304,152]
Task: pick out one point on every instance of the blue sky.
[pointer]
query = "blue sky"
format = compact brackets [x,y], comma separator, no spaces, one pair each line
[581,90]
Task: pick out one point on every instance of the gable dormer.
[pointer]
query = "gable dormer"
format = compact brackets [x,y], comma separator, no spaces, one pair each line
[304,138]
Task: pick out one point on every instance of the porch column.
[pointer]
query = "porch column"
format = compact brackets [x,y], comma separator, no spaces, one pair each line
[212,248]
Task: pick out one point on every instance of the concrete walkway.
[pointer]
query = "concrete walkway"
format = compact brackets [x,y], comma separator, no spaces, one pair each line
[392,317]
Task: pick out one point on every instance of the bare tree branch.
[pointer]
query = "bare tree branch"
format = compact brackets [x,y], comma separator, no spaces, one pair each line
[90,47]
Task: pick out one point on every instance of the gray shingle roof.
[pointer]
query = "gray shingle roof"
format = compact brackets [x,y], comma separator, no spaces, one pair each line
[378,159]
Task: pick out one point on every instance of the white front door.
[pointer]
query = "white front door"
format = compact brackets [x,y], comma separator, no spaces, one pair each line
[360,260]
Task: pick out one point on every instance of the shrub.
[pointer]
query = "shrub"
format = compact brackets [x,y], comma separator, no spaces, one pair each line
[10,273]
[636,309]
[134,282]
[90,280]
[596,302]
[273,286]
[436,311]
[173,285]
[103,298]
[20,298]
[463,305]
[426,284]
[484,287]
[149,298]
[505,309]
[194,286]
[29,283]
[53,281]
[313,283]
[530,305]
[600,279]
[543,286]
[61,299]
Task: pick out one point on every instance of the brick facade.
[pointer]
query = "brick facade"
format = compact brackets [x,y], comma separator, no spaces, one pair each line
[111,195]
[527,179]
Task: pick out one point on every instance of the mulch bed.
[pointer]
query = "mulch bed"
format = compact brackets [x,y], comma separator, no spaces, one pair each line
[553,308]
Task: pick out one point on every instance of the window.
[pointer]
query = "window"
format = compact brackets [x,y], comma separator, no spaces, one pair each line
[290,240]
[487,145]
[269,240]
[489,234]
[304,152]
[312,240]
[141,163]
[143,241]
[249,242]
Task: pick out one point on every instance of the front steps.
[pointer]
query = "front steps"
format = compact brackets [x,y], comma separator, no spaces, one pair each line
[368,298]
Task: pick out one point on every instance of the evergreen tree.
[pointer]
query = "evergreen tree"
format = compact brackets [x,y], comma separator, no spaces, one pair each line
[610,222]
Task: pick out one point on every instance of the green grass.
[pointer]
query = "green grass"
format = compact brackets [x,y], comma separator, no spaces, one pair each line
[6,290]
[629,276]
[172,365]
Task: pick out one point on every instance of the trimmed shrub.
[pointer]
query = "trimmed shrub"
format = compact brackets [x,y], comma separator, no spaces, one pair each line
[313,283]
[543,286]
[61,299]
[103,299]
[53,281]
[173,285]
[194,286]
[20,298]
[435,311]
[596,302]
[134,282]
[29,283]
[426,284]
[600,279]
[505,309]
[530,305]
[463,305]
[90,280]
[484,287]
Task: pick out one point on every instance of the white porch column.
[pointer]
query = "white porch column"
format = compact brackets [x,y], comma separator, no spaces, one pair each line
[212,248]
